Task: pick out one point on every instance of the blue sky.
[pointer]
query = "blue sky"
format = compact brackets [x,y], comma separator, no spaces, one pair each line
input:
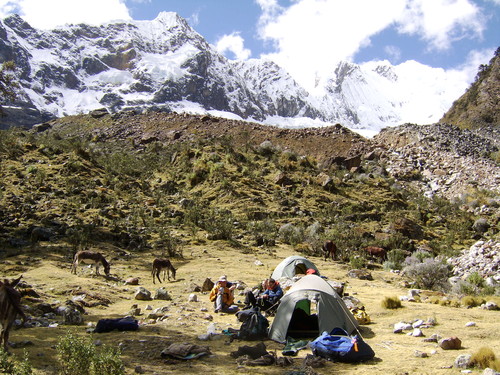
[307,37]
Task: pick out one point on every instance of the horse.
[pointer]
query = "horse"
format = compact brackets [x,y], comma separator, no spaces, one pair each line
[329,249]
[92,258]
[376,252]
[166,266]
[10,307]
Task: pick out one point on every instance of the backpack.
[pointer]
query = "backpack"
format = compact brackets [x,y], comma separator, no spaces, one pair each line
[254,327]
[339,346]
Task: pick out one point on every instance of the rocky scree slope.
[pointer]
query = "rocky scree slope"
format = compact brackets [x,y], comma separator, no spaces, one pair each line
[441,158]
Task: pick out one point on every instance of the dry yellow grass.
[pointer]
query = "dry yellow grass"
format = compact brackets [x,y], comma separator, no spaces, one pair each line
[394,352]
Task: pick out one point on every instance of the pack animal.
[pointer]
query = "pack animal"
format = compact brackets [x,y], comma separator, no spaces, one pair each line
[10,307]
[329,250]
[162,265]
[376,252]
[91,258]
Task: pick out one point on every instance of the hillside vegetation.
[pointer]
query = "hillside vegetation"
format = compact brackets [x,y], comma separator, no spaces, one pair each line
[85,184]
[227,197]
[478,107]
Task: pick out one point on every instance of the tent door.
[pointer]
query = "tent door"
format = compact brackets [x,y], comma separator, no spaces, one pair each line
[303,324]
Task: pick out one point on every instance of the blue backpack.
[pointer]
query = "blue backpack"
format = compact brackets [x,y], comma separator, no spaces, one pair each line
[339,346]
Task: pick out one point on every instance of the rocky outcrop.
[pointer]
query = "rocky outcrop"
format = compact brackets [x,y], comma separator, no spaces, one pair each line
[440,159]
[483,257]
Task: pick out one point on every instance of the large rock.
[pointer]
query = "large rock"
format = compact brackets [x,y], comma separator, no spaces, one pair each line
[451,343]
[162,294]
[142,294]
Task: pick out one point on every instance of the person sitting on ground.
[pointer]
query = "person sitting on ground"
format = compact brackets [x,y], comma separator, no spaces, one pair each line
[222,296]
[271,295]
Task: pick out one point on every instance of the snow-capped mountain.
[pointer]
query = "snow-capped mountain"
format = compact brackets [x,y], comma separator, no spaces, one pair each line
[164,63]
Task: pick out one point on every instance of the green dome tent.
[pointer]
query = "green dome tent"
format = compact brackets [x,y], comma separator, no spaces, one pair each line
[294,318]
[292,266]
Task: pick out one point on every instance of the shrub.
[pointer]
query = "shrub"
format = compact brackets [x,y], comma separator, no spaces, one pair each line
[291,234]
[264,232]
[219,224]
[391,303]
[430,274]
[469,301]
[485,358]
[9,365]
[475,279]
[78,356]
[395,259]
[357,261]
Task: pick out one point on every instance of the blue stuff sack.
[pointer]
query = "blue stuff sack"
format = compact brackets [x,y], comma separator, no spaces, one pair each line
[339,346]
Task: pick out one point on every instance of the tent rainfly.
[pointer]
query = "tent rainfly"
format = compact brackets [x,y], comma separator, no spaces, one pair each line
[293,265]
[293,317]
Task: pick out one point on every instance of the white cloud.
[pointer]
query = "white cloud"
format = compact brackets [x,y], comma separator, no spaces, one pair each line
[311,36]
[233,43]
[48,14]
[440,22]
[394,52]
[194,19]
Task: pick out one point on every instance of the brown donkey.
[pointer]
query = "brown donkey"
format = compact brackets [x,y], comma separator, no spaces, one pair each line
[10,307]
[92,258]
[329,250]
[166,266]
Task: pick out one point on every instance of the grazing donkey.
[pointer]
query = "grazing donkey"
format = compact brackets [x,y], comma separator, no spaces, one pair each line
[166,266]
[376,252]
[329,250]
[10,307]
[92,258]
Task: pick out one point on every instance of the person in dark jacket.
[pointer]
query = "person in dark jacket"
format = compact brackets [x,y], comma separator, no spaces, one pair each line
[270,296]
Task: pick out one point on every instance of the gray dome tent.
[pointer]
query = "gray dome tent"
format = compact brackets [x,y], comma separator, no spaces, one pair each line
[293,317]
[293,265]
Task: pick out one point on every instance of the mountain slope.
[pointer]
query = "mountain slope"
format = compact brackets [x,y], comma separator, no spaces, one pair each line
[480,105]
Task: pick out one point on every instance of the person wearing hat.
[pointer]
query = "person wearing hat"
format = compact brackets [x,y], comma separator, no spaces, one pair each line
[222,296]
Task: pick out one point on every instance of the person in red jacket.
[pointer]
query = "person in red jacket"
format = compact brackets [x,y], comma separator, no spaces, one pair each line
[270,296]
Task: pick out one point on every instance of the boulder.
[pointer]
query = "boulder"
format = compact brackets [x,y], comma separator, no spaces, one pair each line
[451,343]
[162,294]
[462,361]
[142,294]
[360,274]
[132,281]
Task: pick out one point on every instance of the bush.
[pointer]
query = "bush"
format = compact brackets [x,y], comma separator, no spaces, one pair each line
[475,279]
[79,356]
[485,358]
[430,274]
[8,364]
[391,303]
[395,259]
[357,262]
[469,301]
[291,234]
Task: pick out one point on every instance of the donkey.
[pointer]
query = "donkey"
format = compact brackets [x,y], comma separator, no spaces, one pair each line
[166,266]
[92,258]
[10,307]
[376,252]
[329,250]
